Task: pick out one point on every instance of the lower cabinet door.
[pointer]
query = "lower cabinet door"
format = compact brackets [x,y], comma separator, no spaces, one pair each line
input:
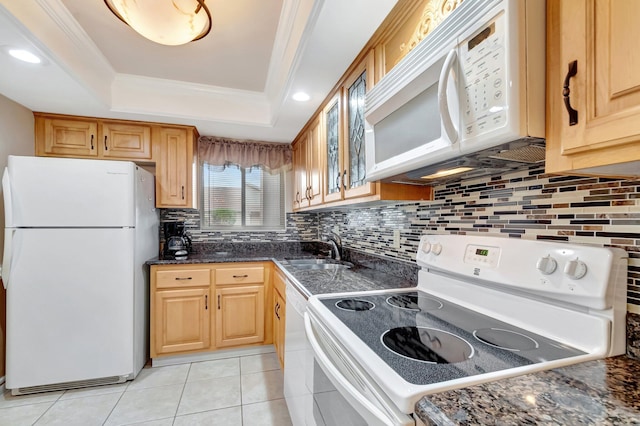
[182,320]
[239,315]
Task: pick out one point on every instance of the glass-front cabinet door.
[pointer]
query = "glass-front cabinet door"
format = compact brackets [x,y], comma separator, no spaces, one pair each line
[354,165]
[333,184]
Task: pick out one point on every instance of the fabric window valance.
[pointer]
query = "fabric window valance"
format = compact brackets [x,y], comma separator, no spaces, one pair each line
[274,157]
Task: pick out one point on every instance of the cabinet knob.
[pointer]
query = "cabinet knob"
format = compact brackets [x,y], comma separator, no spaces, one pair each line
[206,302]
[106,148]
[182,191]
[91,142]
[218,302]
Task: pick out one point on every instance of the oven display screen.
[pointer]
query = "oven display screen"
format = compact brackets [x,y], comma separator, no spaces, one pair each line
[482,252]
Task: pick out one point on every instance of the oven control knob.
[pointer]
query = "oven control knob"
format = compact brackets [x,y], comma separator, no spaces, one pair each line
[436,248]
[425,246]
[547,265]
[575,269]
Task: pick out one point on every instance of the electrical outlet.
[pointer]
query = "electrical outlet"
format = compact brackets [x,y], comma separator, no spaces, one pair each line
[396,238]
[336,229]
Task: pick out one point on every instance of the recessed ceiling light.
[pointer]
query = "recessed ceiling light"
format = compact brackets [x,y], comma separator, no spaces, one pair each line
[25,56]
[301,97]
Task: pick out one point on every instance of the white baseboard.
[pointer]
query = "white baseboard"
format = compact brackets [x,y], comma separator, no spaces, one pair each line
[209,356]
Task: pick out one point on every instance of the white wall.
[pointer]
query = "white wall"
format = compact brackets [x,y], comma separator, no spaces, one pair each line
[16,138]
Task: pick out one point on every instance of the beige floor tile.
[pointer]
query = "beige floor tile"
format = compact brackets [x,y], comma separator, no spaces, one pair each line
[270,413]
[264,386]
[142,405]
[160,376]
[256,363]
[212,394]
[23,415]
[93,391]
[7,400]
[212,369]
[225,417]
[87,411]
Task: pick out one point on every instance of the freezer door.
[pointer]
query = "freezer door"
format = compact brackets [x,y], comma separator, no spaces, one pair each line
[69,306]
[62,192]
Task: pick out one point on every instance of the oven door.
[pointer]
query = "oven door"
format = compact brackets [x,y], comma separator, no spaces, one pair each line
[350,380]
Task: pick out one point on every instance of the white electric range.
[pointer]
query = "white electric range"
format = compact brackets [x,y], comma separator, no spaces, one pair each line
[485,308]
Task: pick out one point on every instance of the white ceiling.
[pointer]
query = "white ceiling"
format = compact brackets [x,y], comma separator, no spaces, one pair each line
[237,82]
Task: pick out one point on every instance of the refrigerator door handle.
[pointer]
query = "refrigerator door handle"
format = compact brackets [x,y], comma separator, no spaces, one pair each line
[8,233]
[8,205]
[8,254]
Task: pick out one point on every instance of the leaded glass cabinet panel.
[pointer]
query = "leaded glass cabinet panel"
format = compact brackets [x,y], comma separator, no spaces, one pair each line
[333,181]
[355,105]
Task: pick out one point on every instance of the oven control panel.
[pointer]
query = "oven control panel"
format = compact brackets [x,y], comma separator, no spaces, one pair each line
[578,274]
[486,256]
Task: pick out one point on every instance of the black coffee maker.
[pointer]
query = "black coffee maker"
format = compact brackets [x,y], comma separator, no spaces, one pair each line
[177,242]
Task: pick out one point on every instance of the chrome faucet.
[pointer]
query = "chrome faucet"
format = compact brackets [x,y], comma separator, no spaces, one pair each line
[336,244]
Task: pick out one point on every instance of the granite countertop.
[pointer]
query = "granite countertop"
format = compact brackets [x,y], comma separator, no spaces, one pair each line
[603,392]
[365,274]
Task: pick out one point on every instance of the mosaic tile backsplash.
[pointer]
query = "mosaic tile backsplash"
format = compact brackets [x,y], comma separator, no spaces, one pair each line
[526,204]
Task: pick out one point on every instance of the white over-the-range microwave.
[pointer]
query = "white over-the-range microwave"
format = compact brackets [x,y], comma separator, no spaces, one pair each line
[471,94]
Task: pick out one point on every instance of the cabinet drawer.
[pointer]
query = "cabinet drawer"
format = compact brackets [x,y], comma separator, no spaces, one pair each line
[183,278]
[240,275]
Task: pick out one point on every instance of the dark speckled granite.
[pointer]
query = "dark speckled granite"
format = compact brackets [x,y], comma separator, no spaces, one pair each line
[376,275]
[604,392]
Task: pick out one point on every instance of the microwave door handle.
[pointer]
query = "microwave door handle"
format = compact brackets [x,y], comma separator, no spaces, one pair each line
[443,104]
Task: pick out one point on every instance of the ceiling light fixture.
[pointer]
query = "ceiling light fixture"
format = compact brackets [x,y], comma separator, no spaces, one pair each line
[301,97]
[24,55]
[168,22]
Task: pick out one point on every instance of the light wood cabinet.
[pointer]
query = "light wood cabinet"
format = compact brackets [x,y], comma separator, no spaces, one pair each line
[176,175]
[180,309]
[240,315]
[240,304]
[183,298]
[171,148]
[354,164]
[119,140]
[593,67]
[78,137]
[279,314]
[342,150]
[307,158]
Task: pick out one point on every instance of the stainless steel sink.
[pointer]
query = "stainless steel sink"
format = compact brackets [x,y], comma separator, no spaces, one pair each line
[322,266]
[318,264]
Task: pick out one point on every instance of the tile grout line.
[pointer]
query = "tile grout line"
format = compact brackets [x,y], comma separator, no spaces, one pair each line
[186,379]
[115,405]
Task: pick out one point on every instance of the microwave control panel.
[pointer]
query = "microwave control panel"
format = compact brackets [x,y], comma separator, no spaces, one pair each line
[484,79]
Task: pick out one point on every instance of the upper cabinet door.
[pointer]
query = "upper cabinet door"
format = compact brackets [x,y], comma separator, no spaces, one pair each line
[594,69]
[127,141]
[314,169]
[355,167]
[173,170]
[332,141]
[62,137]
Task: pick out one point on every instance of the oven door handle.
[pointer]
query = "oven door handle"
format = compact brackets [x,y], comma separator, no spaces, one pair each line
[342,383]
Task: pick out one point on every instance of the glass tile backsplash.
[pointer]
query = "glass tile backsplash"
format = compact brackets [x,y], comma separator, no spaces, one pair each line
[527,204]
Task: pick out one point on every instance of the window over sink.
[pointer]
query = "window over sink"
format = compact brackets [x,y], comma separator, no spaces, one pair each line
[235,197]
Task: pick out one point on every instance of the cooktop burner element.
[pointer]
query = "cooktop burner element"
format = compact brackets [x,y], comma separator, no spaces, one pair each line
[427,345]
[355,305]
[413,302]
[505,339]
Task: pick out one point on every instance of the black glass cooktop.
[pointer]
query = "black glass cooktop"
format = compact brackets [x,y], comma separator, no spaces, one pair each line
[428,340]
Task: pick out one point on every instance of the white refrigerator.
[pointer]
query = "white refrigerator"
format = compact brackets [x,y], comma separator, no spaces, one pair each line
[77,235]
